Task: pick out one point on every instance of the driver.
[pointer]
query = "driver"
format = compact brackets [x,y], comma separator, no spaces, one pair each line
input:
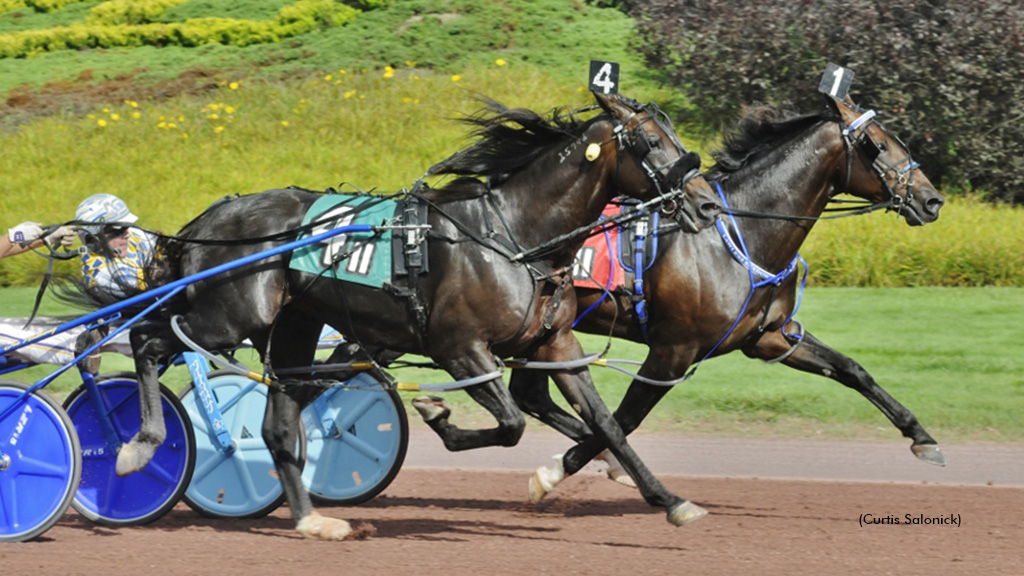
[119,253]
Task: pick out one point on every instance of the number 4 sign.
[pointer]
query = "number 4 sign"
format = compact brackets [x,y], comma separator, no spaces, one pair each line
[836,81]
[604,77]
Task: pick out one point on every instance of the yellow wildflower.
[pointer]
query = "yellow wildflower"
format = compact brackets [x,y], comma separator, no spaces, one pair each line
[102,123]
[456,77]
[499,62]
[233,86]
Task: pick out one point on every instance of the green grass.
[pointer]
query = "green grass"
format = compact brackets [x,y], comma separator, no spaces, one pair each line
[446,35]
[950,355]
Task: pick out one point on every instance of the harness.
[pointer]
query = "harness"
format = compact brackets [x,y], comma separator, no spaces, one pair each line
[636,241]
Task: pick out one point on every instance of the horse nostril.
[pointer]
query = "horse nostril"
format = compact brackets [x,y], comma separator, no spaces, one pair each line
[710,209]
[933,204]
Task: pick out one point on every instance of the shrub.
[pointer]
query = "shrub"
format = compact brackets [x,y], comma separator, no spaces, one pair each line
[945,75]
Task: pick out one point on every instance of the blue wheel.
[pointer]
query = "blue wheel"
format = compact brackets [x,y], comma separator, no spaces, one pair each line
[40,462]
[103,425]
[243,482]
[356,438]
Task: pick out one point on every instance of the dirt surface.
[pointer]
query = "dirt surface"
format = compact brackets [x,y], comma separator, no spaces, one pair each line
[440,517]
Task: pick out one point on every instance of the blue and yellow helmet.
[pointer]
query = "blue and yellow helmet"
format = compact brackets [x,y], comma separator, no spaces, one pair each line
[103,209]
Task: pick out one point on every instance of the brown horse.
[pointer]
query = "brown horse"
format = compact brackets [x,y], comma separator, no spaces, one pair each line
[781,173]
[498,283]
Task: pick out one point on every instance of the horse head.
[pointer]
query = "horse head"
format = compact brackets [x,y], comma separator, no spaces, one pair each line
[879,167]
[656,164]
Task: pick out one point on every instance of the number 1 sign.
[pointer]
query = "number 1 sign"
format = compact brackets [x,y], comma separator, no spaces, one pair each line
[836,81]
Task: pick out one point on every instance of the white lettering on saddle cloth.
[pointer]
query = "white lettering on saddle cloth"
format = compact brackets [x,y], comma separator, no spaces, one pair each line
[358,262]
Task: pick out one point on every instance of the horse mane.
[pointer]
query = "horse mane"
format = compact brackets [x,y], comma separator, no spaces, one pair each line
[761,128]
[508,139]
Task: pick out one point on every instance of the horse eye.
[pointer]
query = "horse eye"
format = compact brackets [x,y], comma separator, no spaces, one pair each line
[653,141]
[883,147]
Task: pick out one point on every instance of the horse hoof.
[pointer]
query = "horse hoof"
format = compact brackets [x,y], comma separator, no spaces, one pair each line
[133,457]
[685,512]
[545,479]
[930,453]
[431,407]
[323,528]
[615,470]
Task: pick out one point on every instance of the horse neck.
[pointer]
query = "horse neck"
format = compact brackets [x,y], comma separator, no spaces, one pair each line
[558,193]
[796,179]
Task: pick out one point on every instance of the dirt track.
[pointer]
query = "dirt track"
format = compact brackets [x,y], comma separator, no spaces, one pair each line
[451,520]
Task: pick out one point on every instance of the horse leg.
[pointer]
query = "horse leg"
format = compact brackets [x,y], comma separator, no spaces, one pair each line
[281,434]
[815,357]
[529,389]
[294,345]
[152,343]
[492,395]
[662,363]
[579,390]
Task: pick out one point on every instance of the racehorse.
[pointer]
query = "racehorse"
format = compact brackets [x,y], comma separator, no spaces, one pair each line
[499,282]
[782,171]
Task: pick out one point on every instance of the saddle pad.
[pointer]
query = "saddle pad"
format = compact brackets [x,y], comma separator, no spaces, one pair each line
[369,253]
[596,265]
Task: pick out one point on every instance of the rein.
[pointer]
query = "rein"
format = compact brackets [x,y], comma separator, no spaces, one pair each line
[601,225]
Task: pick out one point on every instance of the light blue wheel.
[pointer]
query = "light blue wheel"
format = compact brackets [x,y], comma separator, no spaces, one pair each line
[356,438]
[105,423]
[40,462]
[242,482]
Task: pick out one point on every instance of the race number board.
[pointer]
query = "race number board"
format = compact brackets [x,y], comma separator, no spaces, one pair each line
[836,81]
[604,77]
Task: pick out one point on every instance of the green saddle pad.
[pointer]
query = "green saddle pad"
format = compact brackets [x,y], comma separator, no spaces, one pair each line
[363,257]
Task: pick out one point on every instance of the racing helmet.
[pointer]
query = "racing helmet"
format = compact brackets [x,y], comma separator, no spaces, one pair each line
[102,209]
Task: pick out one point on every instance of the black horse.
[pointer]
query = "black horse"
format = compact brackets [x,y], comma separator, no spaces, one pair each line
[784,169]
[498,285]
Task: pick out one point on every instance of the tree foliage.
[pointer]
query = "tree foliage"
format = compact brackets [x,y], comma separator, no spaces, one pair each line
[944,75]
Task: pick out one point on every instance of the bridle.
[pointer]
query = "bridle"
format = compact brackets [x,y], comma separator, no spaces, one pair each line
[670,184]
[855,136]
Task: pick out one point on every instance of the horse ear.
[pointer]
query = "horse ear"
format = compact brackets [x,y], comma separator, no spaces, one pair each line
[831,103]
[839,106]
[604,101]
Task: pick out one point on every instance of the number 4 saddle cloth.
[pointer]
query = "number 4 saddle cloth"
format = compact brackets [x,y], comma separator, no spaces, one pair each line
[373,259]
